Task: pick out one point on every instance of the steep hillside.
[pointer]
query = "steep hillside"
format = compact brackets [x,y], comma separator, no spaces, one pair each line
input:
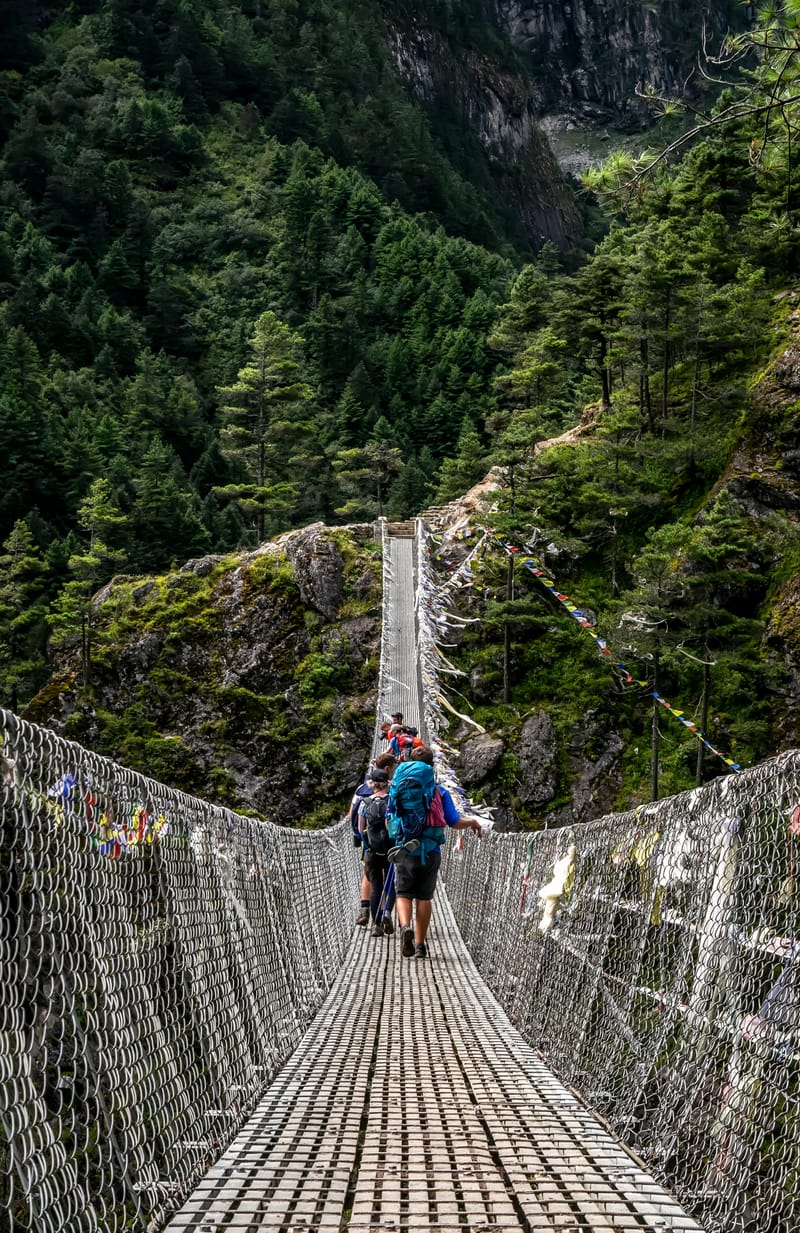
[574,739]
[247,679]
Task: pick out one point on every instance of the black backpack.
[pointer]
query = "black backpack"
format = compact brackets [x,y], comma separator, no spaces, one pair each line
[373,813]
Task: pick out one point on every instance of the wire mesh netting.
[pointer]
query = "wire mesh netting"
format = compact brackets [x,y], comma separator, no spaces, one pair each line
[161,957]
[653,959]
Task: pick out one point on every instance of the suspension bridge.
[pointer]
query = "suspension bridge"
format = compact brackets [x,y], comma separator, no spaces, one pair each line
[193,1036]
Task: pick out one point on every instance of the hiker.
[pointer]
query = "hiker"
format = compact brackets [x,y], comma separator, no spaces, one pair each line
[362,792]
[408,740]
[372,823]
[385,762]
[392,731]
[417,860]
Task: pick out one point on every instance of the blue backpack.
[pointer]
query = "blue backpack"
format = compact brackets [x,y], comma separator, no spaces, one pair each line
[408,817]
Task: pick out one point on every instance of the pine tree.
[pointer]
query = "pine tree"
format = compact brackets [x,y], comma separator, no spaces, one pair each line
[366,473]
[350,418]
[26,457]
[413,489]
[460,473]
[648,614]
[538,377]
[71,617]
[167,518]
[23,632]
[588,308]
[261,424]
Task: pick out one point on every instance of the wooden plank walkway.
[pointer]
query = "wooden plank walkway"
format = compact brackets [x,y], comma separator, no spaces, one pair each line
[412,1103]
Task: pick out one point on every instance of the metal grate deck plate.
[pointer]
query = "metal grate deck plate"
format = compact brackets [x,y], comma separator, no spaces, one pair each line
[412,1103]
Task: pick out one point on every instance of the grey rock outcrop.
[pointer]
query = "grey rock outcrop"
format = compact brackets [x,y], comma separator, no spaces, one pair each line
[318,568]
[595,758]
[478,757]
[498,105]
[215,681]
[591,56]
[537,750]
[481,688]
[787,368]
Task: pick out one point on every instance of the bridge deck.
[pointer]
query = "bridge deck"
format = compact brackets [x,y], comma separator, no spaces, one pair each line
[412,1103]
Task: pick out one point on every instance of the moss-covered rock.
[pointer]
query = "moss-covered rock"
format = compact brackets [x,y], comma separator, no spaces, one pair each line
[248,679]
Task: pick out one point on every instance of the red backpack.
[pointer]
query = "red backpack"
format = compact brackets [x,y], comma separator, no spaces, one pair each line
[405,743]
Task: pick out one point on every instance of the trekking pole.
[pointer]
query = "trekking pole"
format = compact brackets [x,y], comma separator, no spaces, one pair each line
[385,893]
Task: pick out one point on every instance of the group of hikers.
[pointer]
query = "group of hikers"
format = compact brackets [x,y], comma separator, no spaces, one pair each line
[399,817]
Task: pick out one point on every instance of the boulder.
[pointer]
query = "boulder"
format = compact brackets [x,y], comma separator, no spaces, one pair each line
[201,567]
[478,757]
[595,757]
[502,815]
[787,368]
[318,568]
[483,687]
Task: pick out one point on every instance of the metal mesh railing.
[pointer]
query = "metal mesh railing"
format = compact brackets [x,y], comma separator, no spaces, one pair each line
[667,987]
[653,959]
[161,957]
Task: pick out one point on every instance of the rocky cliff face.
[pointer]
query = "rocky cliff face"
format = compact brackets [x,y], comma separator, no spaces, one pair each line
[498,105]
[588,57]
[568,66]
[248,680]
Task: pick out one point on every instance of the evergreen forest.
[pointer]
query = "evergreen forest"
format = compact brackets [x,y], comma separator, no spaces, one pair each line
[249,280]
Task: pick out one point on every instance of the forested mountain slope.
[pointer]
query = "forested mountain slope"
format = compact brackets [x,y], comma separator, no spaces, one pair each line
[267,264]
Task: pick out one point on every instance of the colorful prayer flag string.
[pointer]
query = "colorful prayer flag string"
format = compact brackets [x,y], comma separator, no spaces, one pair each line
[579,615]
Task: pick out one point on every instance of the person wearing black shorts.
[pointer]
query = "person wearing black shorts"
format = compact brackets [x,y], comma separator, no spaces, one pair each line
[416,882]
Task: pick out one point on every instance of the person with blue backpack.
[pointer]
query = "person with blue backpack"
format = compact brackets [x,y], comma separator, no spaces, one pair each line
[418,813]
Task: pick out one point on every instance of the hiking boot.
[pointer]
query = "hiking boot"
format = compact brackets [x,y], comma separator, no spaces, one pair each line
[377,929]
[363,916]
[388,927]
[407,941]
[420,950]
